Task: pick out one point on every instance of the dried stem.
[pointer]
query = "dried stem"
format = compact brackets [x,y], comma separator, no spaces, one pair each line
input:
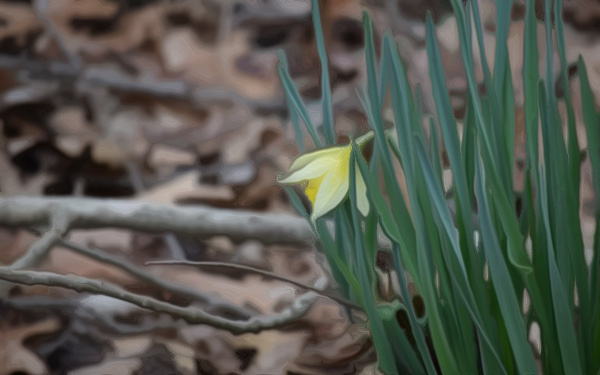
[184,291]
[296,310]
[67,73]
[59,221]
[267,274]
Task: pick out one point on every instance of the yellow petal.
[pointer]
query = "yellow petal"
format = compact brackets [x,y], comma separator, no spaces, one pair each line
[361,193]
[312,188]
[332,190]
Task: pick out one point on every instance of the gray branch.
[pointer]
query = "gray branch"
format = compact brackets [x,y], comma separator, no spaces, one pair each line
[40,8]
[248,269]
[66,73]
[213,302]
[86,213]
[104,319]
[296,310]
[59,222]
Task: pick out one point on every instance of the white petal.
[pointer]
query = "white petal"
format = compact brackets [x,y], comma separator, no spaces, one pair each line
[332,191]
[312,170]
[329,154]
[361,193]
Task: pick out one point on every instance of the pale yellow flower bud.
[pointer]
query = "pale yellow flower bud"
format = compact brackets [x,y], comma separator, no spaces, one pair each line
[326,177]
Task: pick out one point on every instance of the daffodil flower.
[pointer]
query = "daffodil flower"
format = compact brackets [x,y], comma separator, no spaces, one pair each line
[326,177]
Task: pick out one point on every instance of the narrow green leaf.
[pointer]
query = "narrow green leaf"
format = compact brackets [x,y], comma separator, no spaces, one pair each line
[567,340]
[503,11]
[463,288]
[467,58]
[328,121]
[420,268]
[469,138]
[384,348]
[594,307]
[500,103]
[345,242]
[410,359]
[371,96]
[383,72]
[338,265]
[530,82]
[509,124]
[574,245]
[450,134]
[292,94]
[435,153]
[555,159]
[372,89]
[297,202]
[592,123]
[293,112]
[399,234]
[536,282]
[414,324]
[573,144]
[501,280]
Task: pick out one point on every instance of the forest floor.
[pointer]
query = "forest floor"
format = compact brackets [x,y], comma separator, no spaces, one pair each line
[179,103]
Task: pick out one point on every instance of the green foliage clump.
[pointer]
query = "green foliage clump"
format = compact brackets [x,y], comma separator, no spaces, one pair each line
[476,263]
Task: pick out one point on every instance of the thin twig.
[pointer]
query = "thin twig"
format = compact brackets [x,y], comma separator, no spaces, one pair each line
[93,76]
[268,274]
[40,8]
[60,222]
[96,315]
[178,289]
[171,240]
[296,310]
[85,213]
[144,326]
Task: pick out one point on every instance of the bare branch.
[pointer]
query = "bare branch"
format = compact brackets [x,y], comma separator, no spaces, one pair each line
[66,73]
[296,310]
[184,291]
[267,274]
[97,315]
[40,8]
[59,225]
[174,288]
[85,213]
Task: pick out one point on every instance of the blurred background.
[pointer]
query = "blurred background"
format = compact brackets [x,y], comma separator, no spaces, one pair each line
[180,103]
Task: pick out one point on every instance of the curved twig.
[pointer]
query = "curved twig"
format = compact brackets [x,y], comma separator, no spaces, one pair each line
[268,274]
[297,309]
[174,288]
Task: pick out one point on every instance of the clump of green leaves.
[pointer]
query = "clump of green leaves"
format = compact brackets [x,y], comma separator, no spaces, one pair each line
[474,265]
